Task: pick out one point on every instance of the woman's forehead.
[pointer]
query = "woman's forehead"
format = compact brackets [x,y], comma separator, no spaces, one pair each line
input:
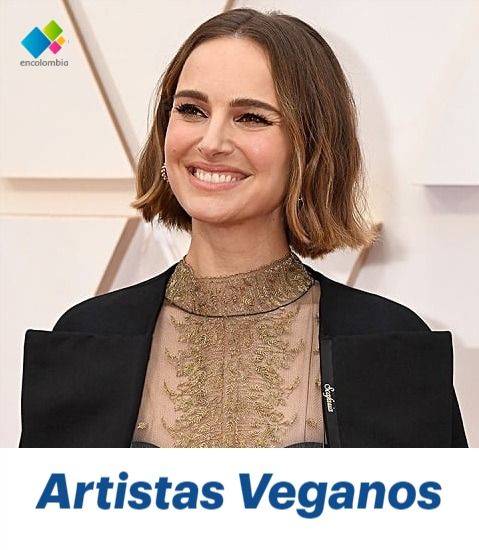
[229,67]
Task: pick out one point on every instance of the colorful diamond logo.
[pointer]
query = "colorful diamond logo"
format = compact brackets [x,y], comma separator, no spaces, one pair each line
[36,41]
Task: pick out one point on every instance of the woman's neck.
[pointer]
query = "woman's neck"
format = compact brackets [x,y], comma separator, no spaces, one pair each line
[216,252]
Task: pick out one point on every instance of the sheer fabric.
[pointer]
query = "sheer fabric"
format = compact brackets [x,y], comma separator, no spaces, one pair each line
[234,361]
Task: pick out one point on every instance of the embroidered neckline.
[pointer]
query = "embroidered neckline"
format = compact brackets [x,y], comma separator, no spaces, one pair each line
[258,291]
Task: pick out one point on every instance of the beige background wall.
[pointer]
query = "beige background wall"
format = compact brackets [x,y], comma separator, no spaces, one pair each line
[67,179]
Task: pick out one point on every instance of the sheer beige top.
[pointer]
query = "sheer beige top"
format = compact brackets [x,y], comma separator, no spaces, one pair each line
[235,361]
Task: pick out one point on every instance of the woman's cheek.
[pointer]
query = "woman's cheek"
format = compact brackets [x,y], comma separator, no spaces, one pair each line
[264,147]
[258,151]
[177,138]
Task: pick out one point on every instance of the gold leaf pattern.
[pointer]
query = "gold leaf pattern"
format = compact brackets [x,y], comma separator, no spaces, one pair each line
[233,399]
[258,291]
[230,366]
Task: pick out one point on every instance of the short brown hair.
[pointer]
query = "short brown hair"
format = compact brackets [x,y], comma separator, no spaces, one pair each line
[324,206]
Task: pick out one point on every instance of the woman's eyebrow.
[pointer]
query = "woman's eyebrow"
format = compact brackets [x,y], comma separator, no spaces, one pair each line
[237,102]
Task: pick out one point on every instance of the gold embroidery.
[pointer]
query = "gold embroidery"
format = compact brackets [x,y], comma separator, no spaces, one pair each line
[231,389]
[142,425]
[311,423]
[259,291]
[233,400]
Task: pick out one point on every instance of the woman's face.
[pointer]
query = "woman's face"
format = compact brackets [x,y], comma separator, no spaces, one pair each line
[225,121]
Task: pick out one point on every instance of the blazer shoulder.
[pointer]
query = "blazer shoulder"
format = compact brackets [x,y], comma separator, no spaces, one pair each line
[349,310]
[123,311]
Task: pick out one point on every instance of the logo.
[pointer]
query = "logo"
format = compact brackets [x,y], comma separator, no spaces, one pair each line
[328,394]
[37,41]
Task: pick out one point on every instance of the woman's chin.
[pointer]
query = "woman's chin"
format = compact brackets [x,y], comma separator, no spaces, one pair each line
[214,212]
[217,220]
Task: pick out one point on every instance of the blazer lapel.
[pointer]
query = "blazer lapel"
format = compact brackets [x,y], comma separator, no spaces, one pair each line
[81,390]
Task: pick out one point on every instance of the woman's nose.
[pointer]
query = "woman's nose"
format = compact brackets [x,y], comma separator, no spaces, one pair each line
[216,138]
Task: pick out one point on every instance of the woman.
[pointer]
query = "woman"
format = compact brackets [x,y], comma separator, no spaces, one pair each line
[240,344]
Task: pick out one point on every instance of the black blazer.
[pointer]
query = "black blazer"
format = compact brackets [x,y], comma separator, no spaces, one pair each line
[386,378]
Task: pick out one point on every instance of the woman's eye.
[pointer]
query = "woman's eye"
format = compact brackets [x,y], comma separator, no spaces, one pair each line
[252,117]
[187,109]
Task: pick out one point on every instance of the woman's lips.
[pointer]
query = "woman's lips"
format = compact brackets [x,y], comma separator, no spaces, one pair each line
[209,186]
[217,168]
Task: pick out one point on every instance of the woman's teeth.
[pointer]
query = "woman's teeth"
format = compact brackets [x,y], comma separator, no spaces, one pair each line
[215,177]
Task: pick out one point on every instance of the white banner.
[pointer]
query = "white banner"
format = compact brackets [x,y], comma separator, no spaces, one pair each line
[239,498]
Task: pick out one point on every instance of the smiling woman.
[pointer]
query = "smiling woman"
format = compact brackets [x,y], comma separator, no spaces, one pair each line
[236,90]
[254,151]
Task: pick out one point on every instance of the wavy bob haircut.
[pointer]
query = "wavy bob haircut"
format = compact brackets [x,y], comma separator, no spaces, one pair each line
[324,206]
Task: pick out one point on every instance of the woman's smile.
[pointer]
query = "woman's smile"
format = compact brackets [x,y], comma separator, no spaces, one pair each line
[215,181]
[205,180]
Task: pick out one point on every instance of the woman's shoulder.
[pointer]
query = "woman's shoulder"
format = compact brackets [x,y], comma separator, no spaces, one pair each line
[350,310]
[124,310]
